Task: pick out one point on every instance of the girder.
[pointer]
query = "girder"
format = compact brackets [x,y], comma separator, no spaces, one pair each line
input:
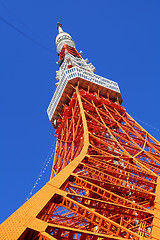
[104,178]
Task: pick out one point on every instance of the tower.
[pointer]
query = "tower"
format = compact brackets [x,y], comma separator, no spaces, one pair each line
[105,180]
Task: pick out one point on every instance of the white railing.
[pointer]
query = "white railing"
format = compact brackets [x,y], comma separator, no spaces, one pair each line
[78,72]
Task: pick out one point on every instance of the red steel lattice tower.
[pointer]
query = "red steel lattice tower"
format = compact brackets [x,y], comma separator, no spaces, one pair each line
[105,180]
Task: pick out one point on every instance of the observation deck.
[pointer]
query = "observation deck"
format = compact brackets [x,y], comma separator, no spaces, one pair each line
[86,80]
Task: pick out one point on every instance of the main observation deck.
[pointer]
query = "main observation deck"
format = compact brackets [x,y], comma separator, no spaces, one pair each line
[86,80]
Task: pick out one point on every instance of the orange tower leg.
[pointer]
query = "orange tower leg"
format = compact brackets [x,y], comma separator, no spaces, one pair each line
[105,180]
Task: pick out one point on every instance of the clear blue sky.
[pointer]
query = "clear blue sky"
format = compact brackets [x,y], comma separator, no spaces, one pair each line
[120,38]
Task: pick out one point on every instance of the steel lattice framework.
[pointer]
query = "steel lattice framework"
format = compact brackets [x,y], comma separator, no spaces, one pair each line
[106,171]
[105,182]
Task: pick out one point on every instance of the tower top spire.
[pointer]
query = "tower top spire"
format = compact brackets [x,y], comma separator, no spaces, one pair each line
[59,27]
[63,38]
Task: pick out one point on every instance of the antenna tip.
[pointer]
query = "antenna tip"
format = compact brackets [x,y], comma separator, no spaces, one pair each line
[59,25]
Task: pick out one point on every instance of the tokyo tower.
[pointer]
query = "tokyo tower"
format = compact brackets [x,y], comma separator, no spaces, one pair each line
[105,179]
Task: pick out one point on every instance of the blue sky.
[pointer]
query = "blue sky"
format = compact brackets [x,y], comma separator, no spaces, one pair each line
[120,38]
